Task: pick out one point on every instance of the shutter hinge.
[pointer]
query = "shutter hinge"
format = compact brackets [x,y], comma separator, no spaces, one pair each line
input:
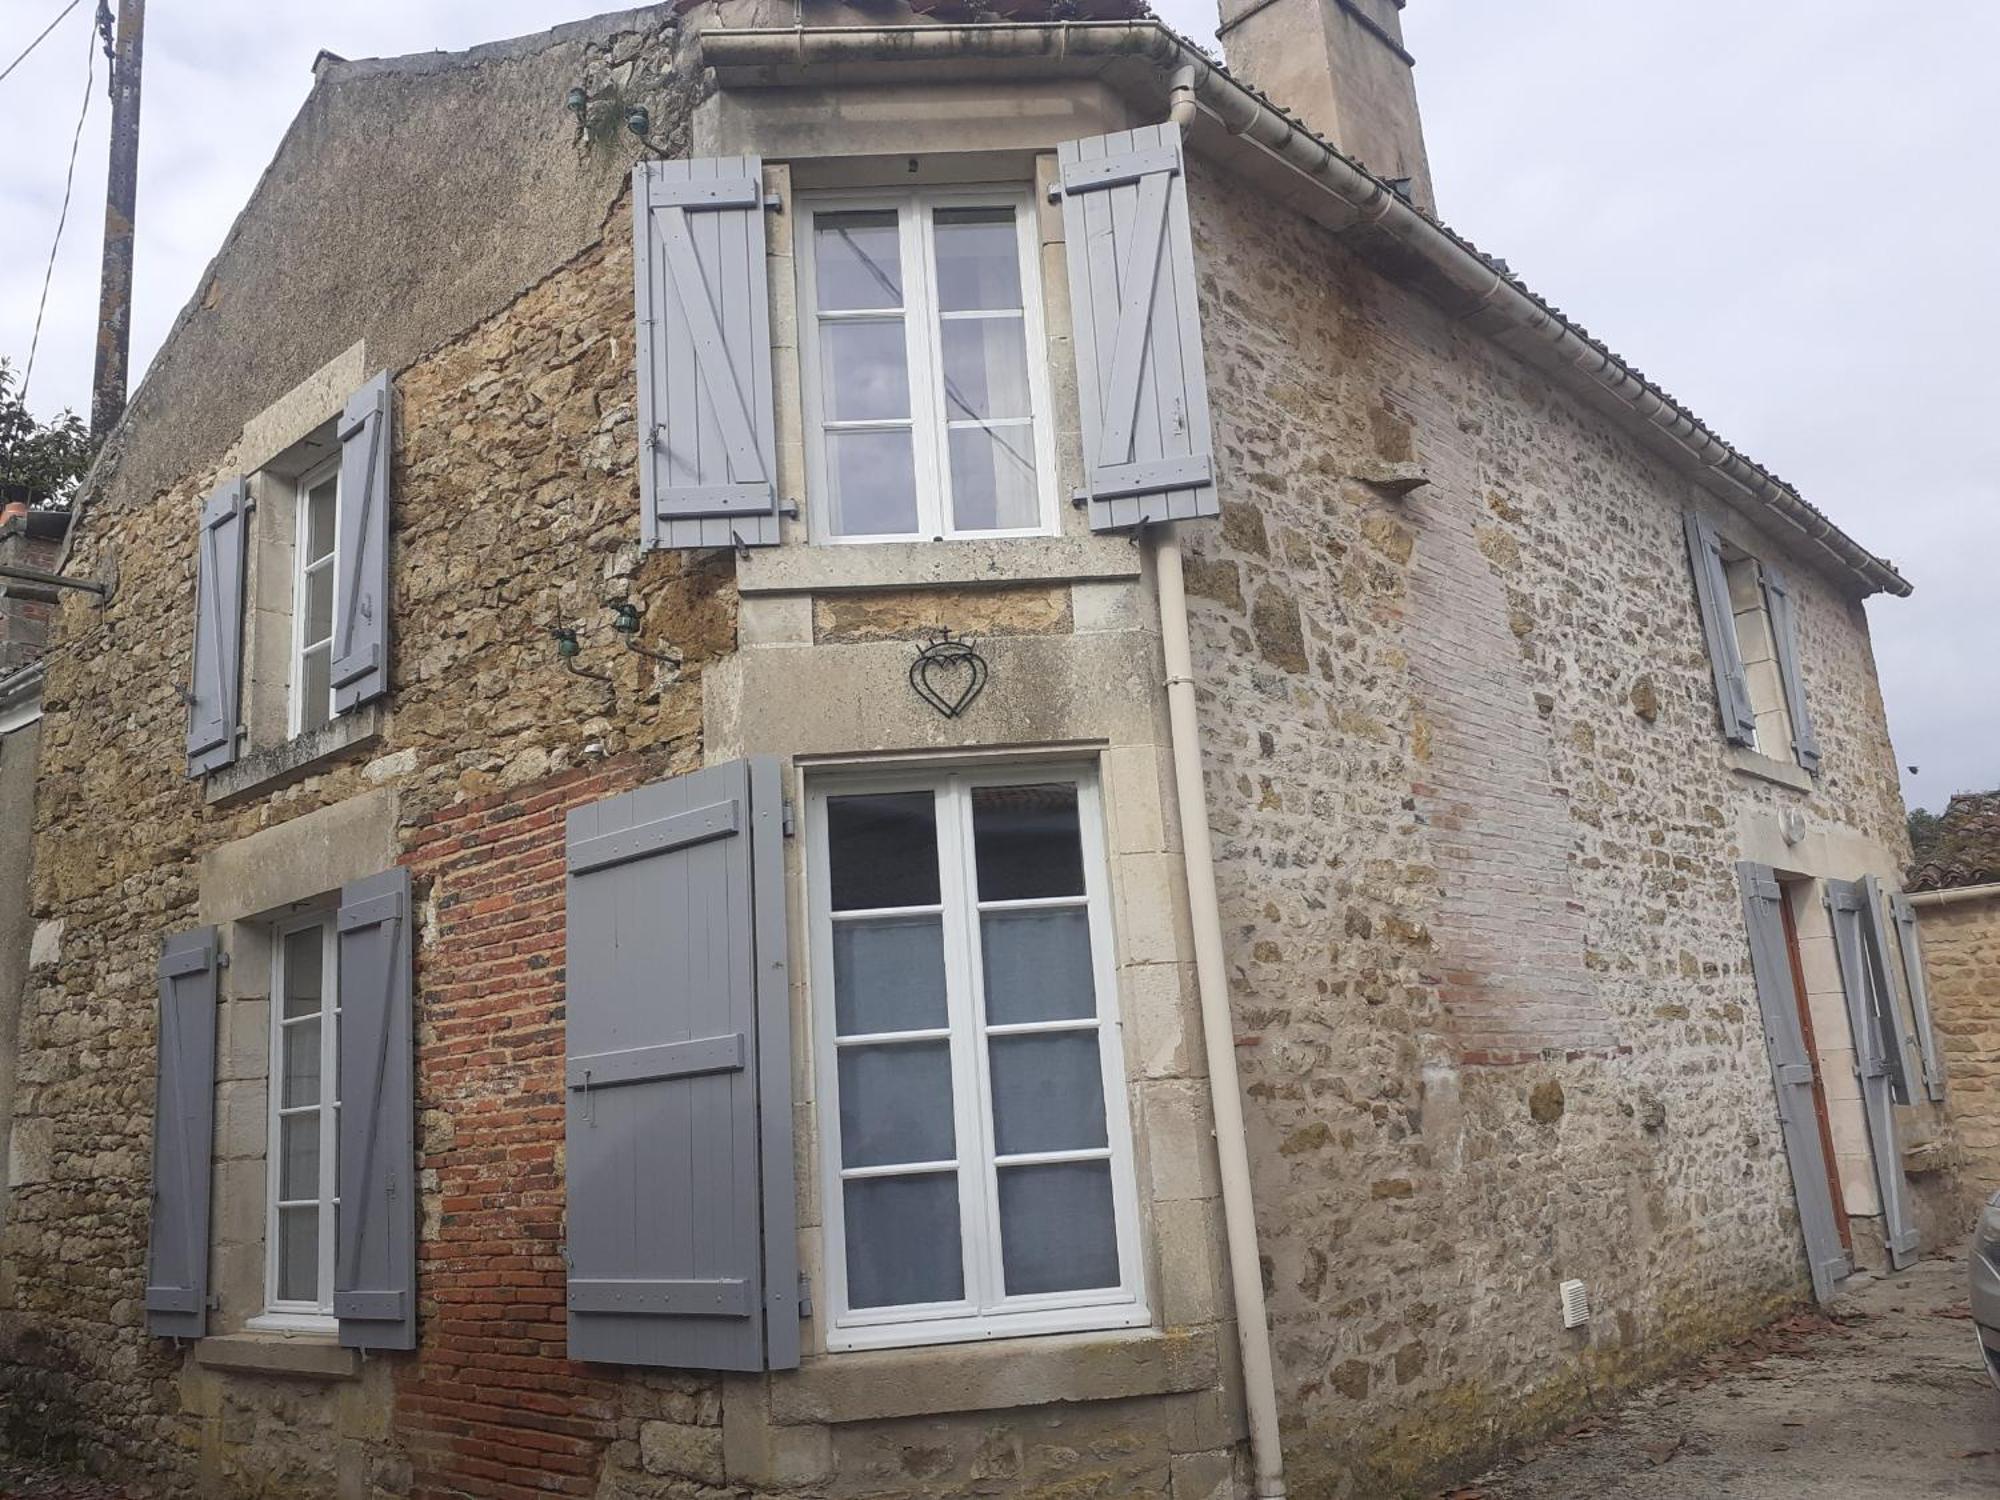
[805,1295]
[790,822]
[213,1302]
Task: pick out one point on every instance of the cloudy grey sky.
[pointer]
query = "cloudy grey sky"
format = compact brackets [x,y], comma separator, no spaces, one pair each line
[1783,211]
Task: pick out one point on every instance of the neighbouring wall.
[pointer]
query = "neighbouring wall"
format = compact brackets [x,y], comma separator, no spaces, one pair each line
[1961,942]
[1476,828]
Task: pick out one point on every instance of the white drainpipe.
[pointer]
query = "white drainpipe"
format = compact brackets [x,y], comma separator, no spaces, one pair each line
[1218,1029]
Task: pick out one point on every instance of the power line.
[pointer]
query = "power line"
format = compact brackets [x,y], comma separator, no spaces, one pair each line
[38,40]
[69,179]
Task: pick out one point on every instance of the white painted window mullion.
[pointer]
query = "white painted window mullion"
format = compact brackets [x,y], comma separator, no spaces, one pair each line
[966,1058]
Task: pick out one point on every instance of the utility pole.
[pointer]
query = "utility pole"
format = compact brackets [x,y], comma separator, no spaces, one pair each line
[121,200]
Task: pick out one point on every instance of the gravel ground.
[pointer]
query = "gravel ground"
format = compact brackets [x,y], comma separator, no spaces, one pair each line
[1882,1398]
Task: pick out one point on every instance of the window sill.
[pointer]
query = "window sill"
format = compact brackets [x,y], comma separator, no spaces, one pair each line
[880,1384]
[1766,768]
[278,766]
[808,569]
[311,1356]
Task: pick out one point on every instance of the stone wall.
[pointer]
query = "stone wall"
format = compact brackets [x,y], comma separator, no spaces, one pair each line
[1477,828]
[1961,942]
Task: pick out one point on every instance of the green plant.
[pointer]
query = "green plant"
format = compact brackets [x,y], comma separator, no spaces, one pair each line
[39,462]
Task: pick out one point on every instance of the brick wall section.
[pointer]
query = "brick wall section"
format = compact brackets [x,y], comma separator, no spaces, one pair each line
[493,1407]
[1962,961]
[1472,806]
[24,623]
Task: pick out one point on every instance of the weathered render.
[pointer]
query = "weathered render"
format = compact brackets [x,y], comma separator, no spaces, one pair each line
[1476,829]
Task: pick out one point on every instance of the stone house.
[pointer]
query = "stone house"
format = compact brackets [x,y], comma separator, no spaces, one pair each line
[850,753]
[1955,895]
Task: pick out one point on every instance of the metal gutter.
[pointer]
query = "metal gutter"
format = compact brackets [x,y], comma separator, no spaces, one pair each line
[20,698]
[1260,141]
[1953,895]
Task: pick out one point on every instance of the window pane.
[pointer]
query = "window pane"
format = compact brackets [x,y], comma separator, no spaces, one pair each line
[993,479]
[978,259]
[883,850]
[298,1156]
[319,518]
[902,1241]
[302,966]
[1027,842]
[888,975]
[316,688]
[1057,1232]
[985,369]
[895,1104]
[857,261]
[298,1254]
[1048,1092]
[1037,965]
[300,1064]
[318,605]
[864,371]
[871,483]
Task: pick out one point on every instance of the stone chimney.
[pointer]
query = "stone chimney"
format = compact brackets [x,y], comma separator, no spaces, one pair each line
[1339,65]
[28,538]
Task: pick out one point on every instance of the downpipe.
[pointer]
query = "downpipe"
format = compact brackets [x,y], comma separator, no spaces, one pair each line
[1218,1030]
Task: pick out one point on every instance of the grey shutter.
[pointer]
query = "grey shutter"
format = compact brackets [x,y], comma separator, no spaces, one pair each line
[1912,950]
[1847,904]
[1785,637]
[216,679]
[1147,453]
[682,1233]
[1718,626]
[1792,1076]
[375,1260]
[361,560]
[707,428]
[1897,1043]
[183,1138]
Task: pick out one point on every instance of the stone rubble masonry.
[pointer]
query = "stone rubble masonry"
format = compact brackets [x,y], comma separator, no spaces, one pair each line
[1961,943]
[1477,1058]
[1476,829]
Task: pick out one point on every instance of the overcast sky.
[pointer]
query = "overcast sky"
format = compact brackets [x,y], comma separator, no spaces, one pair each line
[1783,211]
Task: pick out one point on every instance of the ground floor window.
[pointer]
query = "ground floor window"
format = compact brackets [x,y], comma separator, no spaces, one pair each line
[305,1121]
[976,1136]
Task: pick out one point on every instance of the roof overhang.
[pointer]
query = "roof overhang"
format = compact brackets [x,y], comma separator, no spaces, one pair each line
[1262,145]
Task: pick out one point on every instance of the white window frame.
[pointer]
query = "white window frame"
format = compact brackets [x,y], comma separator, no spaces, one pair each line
[986,1312]
[292,1314]
[923,354]
[295,688]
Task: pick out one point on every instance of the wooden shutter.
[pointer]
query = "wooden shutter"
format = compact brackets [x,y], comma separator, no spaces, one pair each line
[1898,1041]
[1718,626]
[1847,904]
[1147,452]
[183,1138]
[707,429]
[375,1260]
[682,1234]
[216,679]
[1785,638]
[1910,946]
[361,560]
[1792,1076]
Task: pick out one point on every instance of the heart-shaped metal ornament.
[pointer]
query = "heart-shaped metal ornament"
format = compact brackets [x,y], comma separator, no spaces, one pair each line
[948,674]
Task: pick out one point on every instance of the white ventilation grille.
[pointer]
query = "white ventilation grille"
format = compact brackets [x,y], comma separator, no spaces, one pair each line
[1576,1304]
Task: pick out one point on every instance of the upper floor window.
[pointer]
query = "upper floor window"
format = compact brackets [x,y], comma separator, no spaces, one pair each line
[926,385]
[312,599]
[1750,622]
